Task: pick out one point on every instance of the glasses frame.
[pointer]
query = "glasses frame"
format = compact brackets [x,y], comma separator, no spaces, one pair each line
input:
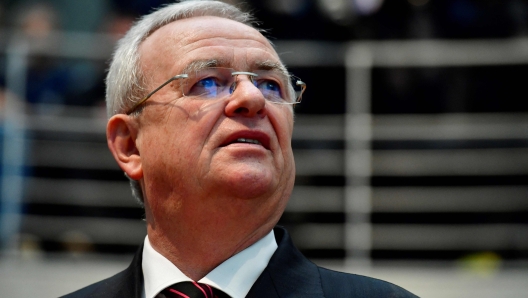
[232,88]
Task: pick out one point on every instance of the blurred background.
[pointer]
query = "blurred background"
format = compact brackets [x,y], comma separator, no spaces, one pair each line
[411,142]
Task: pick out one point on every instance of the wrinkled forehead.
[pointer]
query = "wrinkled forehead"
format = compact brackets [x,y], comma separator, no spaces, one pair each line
[222,42]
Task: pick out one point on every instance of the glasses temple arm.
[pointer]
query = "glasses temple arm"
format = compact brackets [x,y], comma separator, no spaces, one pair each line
[180,76]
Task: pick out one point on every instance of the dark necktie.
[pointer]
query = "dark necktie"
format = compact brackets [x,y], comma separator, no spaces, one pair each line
[192,289]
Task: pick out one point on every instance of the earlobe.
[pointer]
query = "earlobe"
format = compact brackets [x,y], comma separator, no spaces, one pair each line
[121,133]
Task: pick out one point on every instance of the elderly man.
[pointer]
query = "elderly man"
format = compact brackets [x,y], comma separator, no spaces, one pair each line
[201,119]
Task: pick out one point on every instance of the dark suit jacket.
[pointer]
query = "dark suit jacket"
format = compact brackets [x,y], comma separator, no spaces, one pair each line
[288,274]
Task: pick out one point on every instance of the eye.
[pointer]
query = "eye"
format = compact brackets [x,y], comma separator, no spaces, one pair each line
[206,87]
[270,89]
[207,83]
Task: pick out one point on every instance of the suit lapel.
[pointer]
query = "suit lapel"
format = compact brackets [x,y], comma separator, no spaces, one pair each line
[288,274]
[129,283]
[133,284]
[264,287]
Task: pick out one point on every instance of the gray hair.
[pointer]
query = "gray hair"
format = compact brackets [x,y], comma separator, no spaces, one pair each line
[125,82]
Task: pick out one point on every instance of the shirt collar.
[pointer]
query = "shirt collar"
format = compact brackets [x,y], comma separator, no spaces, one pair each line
[235,276]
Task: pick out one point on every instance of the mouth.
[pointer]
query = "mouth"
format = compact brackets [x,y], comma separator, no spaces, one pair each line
[248,137]
[249,141]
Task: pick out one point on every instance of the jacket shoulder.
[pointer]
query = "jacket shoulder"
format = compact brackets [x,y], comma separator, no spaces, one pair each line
[340,284]
[127,283]
[104,288]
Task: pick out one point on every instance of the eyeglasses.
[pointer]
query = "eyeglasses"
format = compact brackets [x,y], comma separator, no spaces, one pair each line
[219,82]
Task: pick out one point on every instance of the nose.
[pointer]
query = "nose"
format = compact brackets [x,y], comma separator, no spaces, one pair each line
[246,99]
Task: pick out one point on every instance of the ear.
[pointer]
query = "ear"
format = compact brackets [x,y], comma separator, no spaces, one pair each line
[121,133]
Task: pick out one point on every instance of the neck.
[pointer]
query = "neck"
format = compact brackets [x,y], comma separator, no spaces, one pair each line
[198,233]
[196,253]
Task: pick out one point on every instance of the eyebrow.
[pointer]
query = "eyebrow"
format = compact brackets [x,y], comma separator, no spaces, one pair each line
[274,66]
[201,64]
[262,65]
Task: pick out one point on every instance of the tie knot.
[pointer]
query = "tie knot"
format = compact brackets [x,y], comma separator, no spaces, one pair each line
[191,289]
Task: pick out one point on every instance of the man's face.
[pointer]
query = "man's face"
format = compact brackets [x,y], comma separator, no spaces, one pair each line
[193,158]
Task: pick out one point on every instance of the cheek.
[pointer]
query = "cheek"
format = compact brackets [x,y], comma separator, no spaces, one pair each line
[282,121]
[167,170]
[175,141]
[281,118]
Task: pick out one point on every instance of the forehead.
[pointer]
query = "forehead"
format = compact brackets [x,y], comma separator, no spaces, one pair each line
[177,44]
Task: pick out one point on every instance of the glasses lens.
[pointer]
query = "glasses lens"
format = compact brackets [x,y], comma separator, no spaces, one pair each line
[273,85]
[278,87]
[218,82]
[208,83]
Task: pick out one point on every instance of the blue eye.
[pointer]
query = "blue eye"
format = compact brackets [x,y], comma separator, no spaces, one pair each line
[270,89]
[208,87]
[207,83]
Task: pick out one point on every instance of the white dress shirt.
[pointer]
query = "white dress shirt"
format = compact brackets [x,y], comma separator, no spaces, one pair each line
[235,276]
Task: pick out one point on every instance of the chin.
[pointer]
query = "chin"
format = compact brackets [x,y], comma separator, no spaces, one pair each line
[252,184]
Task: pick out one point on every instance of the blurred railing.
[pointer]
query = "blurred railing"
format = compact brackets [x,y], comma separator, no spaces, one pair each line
[75,196]
[363,163]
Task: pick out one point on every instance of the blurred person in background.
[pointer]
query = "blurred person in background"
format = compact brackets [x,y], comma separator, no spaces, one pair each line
[201,119]
[49,79]
[53,82]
